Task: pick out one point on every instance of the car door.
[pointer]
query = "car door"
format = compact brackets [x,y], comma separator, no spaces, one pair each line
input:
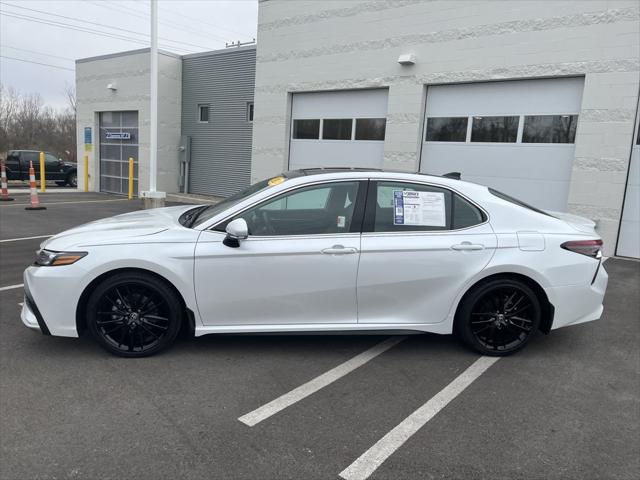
[298,265]
[26,160]
[54,169]
[420,245]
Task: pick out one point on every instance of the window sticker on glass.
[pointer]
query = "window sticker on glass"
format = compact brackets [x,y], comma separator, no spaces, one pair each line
[342,221]
[419,208]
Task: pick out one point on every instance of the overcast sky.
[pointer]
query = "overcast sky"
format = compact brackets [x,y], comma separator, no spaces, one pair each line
[185,26]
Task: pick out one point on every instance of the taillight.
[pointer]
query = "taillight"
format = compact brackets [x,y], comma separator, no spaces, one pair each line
[590,248]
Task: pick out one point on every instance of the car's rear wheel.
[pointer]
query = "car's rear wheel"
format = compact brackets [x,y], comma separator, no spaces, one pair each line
[134,314]
[498,317]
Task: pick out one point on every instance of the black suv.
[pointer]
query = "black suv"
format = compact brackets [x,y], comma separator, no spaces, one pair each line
[17,165]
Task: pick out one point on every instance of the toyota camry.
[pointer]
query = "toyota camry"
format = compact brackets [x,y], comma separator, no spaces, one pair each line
[322,250]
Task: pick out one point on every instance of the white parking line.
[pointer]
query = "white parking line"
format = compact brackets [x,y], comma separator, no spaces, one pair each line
[11,287]
[303,391]
[370,460]
[24,238]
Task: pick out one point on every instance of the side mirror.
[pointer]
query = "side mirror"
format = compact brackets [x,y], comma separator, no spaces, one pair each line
[236,230]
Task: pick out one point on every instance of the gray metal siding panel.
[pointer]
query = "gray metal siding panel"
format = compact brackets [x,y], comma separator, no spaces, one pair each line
[221,149]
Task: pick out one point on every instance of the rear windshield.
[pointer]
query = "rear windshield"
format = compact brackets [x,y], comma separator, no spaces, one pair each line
[515,201]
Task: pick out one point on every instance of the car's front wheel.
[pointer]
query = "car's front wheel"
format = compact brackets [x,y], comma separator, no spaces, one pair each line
[134,314]
[498,317]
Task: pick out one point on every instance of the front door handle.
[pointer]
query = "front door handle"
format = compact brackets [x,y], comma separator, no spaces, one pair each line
[465,246]
[339,250]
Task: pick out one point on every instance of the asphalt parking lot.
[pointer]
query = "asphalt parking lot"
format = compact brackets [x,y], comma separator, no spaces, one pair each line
[567,407]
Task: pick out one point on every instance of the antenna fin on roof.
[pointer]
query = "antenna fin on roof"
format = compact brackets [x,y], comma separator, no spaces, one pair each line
[454,175]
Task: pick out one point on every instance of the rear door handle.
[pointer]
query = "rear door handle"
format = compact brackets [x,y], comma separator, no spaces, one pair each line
[465,246]
[339,250]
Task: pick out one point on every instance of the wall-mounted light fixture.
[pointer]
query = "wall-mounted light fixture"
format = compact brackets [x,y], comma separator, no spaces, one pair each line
[112,86]
[407,59]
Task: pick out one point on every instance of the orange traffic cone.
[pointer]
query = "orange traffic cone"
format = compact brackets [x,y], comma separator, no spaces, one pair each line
[35,203]
[5,191]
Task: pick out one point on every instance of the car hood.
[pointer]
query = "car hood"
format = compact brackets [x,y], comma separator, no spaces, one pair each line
[118,229]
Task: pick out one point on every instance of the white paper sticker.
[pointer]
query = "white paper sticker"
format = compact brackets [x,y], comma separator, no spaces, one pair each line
[419,208]
[342,221]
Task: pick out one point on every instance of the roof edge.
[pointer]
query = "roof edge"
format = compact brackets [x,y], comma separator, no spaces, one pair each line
[125,53]
[219,52]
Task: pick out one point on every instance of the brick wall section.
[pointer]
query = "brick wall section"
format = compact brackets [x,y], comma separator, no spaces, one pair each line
[311,45]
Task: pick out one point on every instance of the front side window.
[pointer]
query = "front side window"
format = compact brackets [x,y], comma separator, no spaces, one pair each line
[408,207]
[370,128]
[495,129]
[50,160]
[446,129]
[337,128]
[314,210]
[203,113]
[549,129]
[306,129]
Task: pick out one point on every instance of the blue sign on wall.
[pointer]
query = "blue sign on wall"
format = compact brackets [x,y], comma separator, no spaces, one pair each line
[87,135]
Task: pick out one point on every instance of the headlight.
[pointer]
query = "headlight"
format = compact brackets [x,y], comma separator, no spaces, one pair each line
[47,258]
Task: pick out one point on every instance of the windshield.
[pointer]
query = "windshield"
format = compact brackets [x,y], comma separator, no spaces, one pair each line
[211,211]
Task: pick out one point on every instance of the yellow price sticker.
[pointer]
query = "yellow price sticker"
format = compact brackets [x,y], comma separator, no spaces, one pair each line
[276,181]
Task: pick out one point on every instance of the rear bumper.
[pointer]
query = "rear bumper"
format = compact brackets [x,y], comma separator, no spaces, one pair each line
[576,304]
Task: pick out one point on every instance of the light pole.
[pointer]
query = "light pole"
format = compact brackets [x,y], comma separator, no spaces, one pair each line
[153,198]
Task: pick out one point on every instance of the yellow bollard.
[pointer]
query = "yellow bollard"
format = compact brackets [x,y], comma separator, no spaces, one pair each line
[86,173]
[43,180]
[130,178]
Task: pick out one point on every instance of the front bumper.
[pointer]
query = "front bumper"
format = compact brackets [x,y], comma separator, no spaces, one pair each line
[50,298]
[576,304]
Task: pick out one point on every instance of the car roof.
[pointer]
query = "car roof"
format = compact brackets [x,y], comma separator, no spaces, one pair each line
[323,170]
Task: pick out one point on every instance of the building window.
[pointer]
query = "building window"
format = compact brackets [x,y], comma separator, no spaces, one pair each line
[370,128]
[549,129]
[306,129]
[495,129]
[250,112]
[337,129]
[446,129]
[203,113]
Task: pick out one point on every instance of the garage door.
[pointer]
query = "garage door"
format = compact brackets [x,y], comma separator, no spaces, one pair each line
[118,143]
[338,129]
[629,239]
[515,136]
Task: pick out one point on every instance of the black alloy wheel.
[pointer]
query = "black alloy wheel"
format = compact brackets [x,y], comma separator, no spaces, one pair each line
[499,317]
[134,315]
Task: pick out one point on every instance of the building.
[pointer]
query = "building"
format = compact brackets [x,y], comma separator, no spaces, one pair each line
[537,99]
[541,103]
[205,112]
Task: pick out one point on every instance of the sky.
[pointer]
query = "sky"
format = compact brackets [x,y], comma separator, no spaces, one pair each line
[56,32]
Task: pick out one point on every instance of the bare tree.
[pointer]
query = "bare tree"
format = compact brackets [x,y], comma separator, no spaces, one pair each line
[25,123]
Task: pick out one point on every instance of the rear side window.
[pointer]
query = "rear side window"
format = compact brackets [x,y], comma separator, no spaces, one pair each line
[465,214]
[410,207]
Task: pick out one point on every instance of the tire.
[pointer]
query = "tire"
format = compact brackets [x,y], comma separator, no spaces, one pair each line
[72,179]
[134,314]
[498,317]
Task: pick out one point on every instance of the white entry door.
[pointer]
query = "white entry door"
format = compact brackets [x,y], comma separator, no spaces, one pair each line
[515,136]
[338,129]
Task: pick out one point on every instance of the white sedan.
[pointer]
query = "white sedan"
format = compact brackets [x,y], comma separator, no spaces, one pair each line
[322,251]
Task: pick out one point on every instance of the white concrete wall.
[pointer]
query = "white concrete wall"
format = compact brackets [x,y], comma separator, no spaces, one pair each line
[307,45]
[130,72]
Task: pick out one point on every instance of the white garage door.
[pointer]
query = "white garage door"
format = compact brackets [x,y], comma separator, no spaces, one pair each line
[515,136]
[338,129]
[629,240]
